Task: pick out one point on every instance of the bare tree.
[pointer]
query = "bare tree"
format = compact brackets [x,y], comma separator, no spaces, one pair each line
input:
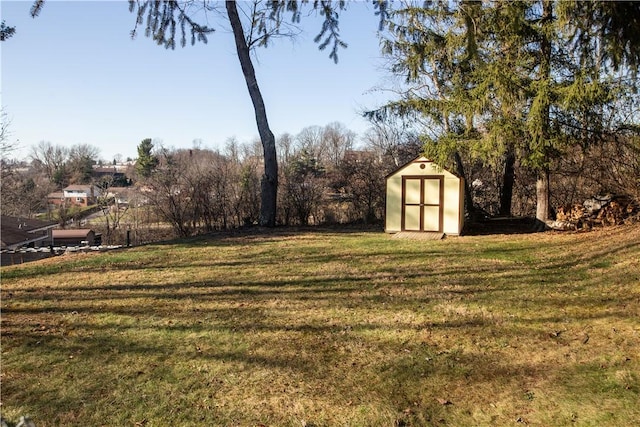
[9,179]
[82,157]
[51,159]
[310,139]
[167,193]
[285,144]
[114,211]
[337,140]
[363,181]
[6,148]
[6,145]
[394,139]
[304,187]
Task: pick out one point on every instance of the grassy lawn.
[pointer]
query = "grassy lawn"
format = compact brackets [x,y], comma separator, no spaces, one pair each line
[322,328]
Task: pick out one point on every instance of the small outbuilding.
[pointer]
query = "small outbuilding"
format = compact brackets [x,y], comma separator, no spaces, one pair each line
[75,237]
[423,197]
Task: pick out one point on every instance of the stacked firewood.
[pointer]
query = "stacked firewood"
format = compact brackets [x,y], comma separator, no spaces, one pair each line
[597,211]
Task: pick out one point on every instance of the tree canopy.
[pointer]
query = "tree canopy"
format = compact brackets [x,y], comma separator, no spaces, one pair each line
[514,78]
[6,31]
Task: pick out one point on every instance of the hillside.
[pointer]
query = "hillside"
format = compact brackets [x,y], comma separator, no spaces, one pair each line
[329,328]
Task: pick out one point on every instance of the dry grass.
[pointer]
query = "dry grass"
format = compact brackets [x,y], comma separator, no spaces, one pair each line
[329,328]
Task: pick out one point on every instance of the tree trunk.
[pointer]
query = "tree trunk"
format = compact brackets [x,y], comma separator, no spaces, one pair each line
[468,199]
[508,178]
[269,183]
[542,184]
[542,196]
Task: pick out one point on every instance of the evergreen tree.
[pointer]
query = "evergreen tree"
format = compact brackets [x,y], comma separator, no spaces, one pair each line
[513,78]
[6,31]
[147,161]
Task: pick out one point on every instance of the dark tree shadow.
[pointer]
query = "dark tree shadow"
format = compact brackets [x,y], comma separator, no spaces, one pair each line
[502,225]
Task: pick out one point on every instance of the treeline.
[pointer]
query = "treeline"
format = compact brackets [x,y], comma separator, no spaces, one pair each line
[327,175]
[324,178]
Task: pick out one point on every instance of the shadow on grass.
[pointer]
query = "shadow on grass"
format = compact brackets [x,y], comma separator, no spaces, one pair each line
[409,331]
[161,343]
[502,225]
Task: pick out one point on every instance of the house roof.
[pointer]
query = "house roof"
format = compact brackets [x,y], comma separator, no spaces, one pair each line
[79,187]
[25,224]
[19,231]
[119,189]
[12,239]
[104,169]
[75,233]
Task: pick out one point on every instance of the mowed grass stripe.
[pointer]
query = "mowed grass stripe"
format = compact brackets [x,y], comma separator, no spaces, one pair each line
[329,328]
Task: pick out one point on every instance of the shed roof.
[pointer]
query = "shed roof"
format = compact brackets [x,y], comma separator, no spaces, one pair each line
[75,233]
[418,159]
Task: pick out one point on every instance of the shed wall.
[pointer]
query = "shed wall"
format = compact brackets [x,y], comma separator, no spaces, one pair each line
[453,201]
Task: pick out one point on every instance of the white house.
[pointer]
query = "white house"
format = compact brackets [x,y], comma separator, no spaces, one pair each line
[78,195]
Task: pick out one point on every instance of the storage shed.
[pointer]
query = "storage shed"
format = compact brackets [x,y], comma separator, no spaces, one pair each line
[75,237]
[422,197]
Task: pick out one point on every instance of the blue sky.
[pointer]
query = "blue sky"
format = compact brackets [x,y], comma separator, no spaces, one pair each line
[74,76]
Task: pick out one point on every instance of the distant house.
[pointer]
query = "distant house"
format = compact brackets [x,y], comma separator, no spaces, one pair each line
[76,237]
[75,195]
[111,175]
[358,156]
[83,195]
[121,195]
[20,232]
[55,199]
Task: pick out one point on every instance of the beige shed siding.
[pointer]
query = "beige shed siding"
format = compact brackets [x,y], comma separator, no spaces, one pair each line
[393,215]
[452,202]
[451,205]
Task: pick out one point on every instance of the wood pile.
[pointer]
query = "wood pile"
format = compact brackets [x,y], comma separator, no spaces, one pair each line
[597,211]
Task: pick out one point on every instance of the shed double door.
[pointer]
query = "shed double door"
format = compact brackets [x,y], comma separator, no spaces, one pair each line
[422,203]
